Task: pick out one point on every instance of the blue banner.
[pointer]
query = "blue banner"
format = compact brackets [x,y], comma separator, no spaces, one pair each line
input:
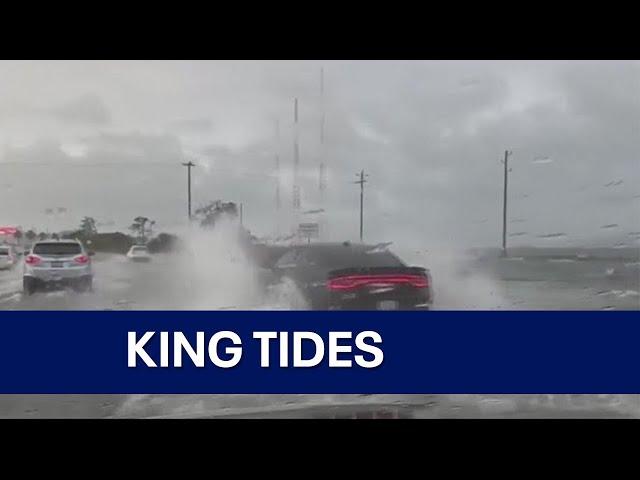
[319,352]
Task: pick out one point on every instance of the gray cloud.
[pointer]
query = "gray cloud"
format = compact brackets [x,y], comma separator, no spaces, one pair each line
[118,177]
[135,146]
[85,110]
[430,134]
[43,150]
[191,125]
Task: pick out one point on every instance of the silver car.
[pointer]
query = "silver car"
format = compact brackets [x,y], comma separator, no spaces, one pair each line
[57,263]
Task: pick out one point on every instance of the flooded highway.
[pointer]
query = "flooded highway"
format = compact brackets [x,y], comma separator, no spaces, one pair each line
[501,185]
[170,282]
[173,282]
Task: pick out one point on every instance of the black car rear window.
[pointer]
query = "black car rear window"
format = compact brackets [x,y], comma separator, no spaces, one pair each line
[57,249]
[4,251]
[346,257]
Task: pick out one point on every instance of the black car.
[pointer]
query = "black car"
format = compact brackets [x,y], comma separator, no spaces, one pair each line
[349,276]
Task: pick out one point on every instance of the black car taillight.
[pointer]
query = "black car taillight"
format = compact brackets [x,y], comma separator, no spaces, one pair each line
[353,282]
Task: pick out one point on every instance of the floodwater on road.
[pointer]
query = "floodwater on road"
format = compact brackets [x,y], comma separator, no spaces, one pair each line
[174,283]
[319,406]
[168,282]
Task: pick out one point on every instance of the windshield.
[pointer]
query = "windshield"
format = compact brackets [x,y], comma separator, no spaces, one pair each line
[4,251]
[55,248]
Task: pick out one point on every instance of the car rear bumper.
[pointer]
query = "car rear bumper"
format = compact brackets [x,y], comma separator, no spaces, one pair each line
[58,275]
[58,282]
[421,301]
[140,259]
[366,306]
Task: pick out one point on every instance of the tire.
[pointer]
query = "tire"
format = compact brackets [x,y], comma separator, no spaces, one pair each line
[28,286]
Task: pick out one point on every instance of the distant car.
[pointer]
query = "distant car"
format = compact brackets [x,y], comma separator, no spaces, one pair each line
[8,257]
[346,276]
[57,263]
[139,253]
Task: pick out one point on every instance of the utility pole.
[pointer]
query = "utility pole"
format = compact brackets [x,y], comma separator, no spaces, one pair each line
[277,175]
[278,200]
[241,220]
[189,165]
[504,202]
[296,161]
[322,180]
[361,182]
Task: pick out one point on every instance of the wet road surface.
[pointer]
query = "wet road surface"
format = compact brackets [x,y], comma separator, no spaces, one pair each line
[171,283]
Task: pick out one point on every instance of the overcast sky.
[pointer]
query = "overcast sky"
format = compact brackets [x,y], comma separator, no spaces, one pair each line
[105,139]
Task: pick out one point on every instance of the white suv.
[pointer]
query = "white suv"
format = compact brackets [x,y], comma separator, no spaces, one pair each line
[57,263]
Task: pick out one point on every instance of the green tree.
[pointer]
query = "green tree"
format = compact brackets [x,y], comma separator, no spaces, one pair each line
[30,235]
[142,227]
[42,236]
[88,227]
[150,228]
[212,212]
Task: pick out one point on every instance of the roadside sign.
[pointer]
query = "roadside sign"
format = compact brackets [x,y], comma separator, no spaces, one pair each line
[309,230]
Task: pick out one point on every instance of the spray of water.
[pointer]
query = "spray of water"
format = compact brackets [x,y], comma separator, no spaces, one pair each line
[219,272]
[458,283]
[214,269]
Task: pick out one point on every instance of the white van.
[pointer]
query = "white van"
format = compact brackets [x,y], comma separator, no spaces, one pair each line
[139,253]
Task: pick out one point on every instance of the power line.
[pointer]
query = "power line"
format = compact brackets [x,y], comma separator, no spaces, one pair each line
[135,164]
[86,164]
